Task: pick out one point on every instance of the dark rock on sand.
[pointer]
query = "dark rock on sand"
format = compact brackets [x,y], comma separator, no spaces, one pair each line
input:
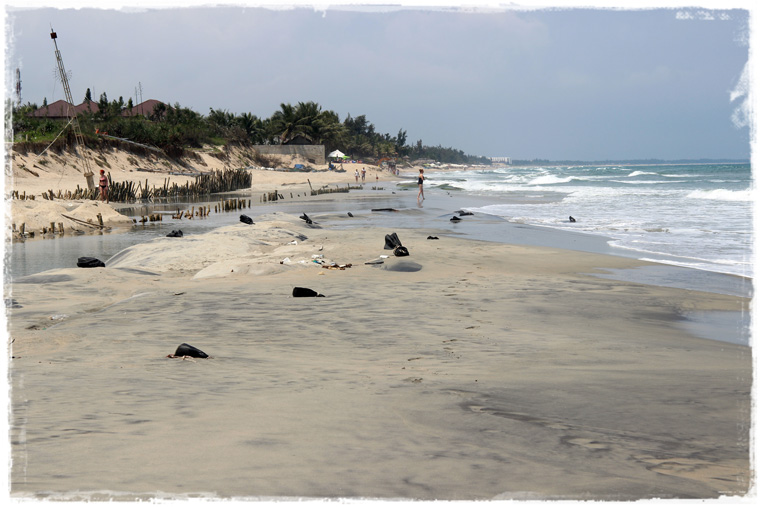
[304,292]
[90,262]
[189,351]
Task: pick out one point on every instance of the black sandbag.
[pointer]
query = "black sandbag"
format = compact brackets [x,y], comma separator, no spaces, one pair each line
[306,218]
[189,350]
[303,292]
[392,241]
[455,219]
[465,213]
[90,262]
[432,237]
[400,251]
[246,219]
[350,214]
[174,234]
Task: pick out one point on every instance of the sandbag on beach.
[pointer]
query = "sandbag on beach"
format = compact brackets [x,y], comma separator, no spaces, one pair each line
[90,262]
[305,292]
[393,243]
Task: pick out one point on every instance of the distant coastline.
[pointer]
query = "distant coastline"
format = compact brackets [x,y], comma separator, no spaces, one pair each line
[634,162]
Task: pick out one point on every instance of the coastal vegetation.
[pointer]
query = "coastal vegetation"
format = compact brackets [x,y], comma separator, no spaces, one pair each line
[177,130]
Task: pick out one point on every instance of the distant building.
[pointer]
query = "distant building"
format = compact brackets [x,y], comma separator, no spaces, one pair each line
[299,139]
[58,110]
[502,160]
[144,108]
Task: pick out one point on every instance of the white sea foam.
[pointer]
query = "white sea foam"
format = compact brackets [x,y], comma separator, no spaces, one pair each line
[721,194]
[646,182]
[550,179]
[699,214]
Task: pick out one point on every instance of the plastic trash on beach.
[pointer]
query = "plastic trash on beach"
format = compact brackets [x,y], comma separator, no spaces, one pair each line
[286,260]
[393,243]
[294,242]
[400,251]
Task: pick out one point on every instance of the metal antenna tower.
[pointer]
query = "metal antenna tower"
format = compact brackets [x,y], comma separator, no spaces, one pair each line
[139,84]
[71,112]
[18,87]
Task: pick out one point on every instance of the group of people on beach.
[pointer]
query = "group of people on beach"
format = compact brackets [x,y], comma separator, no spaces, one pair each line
[364,174]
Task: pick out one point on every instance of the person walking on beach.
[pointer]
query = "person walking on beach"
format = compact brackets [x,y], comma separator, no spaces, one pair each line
[420,179]
[103,186]
[364,173]
[356,175]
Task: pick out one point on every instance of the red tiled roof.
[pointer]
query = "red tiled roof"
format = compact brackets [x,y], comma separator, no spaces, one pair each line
[59,109]
[144,108]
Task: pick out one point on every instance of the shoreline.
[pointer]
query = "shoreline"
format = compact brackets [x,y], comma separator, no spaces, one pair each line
[467,370]
[434,213]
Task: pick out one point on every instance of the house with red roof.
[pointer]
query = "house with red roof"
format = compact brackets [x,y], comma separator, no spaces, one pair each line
[59,109]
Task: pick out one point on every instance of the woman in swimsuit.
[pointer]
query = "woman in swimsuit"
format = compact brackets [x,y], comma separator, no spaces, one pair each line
[103,186]
[420,179]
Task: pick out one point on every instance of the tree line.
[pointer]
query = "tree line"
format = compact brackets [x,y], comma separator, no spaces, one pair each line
[175,129]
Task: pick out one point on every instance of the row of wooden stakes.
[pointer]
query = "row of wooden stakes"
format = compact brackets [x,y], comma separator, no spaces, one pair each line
[58,228]
[201,212]
[205,184]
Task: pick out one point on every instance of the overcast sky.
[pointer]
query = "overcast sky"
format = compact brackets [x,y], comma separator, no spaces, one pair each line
[583,84]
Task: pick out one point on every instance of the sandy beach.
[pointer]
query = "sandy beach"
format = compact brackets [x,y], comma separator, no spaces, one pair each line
[467,370]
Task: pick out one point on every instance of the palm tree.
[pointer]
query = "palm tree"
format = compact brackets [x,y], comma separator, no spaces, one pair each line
[328,130]
[285,123]
[252,126]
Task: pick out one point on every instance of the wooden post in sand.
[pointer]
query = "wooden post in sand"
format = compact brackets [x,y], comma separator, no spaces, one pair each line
[310,188]
[100,219]
[60,228]
[22,229]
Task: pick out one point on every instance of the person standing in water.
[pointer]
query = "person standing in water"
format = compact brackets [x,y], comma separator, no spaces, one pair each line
[420,179]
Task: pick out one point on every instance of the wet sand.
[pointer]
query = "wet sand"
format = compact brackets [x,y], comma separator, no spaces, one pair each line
[468,370]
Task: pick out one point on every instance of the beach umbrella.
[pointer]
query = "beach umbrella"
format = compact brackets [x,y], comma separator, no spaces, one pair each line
[336,154]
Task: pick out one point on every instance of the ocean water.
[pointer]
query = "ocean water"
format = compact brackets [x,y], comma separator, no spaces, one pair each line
[697,215]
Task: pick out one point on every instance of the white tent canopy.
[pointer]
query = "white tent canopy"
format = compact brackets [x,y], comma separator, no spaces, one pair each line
[336,154]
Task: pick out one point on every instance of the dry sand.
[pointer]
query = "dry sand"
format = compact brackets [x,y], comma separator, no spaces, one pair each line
[467,370]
